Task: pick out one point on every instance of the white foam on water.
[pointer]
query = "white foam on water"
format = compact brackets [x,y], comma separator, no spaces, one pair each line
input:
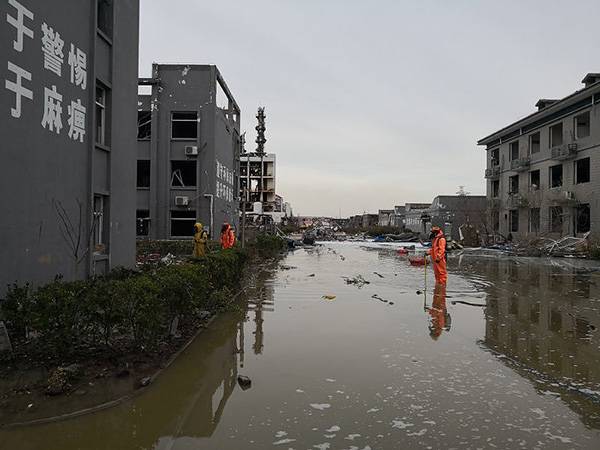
[333,429]
[320,406]
[284,441]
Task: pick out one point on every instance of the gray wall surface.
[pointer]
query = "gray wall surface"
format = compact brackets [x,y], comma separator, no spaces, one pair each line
[44,167]
[190,88]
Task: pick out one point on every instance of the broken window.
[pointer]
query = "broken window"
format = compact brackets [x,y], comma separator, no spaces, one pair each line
[582,224]
[514,184]
[534,180]
[495,157]
[556,219]
[143,173]
[184,125]
[582,171]
[105,15]
[534,220]
[582,125]
[534,143]
[514,220]
[496,221]
[556,135]
[495,188]
[182,223]
[144,125]
[556,176]
[514,150]
[100,220]
[183,173]
[100,115]
[142,222]
[244,170]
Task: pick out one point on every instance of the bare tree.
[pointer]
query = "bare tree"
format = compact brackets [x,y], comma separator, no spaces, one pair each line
[73,232]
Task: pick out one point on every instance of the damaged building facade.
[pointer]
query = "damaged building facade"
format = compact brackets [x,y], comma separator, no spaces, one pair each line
[543,171]
[451,212]
[68,128]
[188,152]
[257,182]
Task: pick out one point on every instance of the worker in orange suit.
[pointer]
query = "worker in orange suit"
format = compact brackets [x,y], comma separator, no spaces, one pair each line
[231,237]
[438,254]
[439,317]
[225,235]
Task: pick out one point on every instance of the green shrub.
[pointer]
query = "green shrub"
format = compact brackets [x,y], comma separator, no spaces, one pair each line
[17,309]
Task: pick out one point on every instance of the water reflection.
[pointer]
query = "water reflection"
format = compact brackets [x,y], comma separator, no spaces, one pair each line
[542,320]
[439,318]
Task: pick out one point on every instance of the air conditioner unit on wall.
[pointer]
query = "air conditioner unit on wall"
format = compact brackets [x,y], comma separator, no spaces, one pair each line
[181,200]
[191,150]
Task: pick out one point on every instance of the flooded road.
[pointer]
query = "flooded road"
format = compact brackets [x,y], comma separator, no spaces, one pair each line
[506,357]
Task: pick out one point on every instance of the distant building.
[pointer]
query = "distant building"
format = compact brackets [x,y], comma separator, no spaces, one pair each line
[415,216]
[386,218]
[67,121]
[543,170]
[257,181]
[450,212]
[188,152]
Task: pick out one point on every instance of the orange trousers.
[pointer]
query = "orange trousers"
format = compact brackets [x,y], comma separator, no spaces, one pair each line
[439,269]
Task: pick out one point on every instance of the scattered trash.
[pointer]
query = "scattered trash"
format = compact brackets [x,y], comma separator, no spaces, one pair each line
[357,280]
[329,297]
[244,382]
[419,292]
[143,382]
[379,275]
[377,297]
[284,267]
[390,303]
[311,275]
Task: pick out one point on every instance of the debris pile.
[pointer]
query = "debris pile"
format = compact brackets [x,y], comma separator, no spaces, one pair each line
[358,280]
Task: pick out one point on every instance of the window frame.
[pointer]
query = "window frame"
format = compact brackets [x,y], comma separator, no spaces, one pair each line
[539,217]
[539,145]
[149,122]
[513,224]
[100,138]
[551,143]
[576,172]
[196,121]
[589,125]
[562,176]
[171,219]
[146,219]
[539,176]
[514,144]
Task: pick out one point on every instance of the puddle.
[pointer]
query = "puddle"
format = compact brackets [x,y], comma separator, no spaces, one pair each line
[506,356]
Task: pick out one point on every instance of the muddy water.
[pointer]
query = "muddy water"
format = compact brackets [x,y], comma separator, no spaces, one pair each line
[506,357]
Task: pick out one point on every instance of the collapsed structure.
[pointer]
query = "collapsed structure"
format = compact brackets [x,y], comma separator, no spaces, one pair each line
[188,152]
[257,180]
[542,171]
[68,129]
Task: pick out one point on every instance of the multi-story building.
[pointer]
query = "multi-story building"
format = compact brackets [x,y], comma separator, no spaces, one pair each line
[543,170]
[67,106]
[188,152]
[257,181]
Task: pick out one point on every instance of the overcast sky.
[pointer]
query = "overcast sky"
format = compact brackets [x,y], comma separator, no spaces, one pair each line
[372,104]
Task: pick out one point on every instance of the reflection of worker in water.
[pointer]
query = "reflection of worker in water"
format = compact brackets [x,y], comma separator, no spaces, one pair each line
[439,317]
[438,254]
[200,238]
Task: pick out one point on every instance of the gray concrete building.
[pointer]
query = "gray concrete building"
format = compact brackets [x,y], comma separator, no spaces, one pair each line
[414,215]
[188,152]
[258,181]
[67,168]
[543,171]
[386,218]
[450,212]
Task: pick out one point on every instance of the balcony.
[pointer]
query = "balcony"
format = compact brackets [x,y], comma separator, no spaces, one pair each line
[520,164]
[494,172]
[517,201]
[559,196]
[563,152]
